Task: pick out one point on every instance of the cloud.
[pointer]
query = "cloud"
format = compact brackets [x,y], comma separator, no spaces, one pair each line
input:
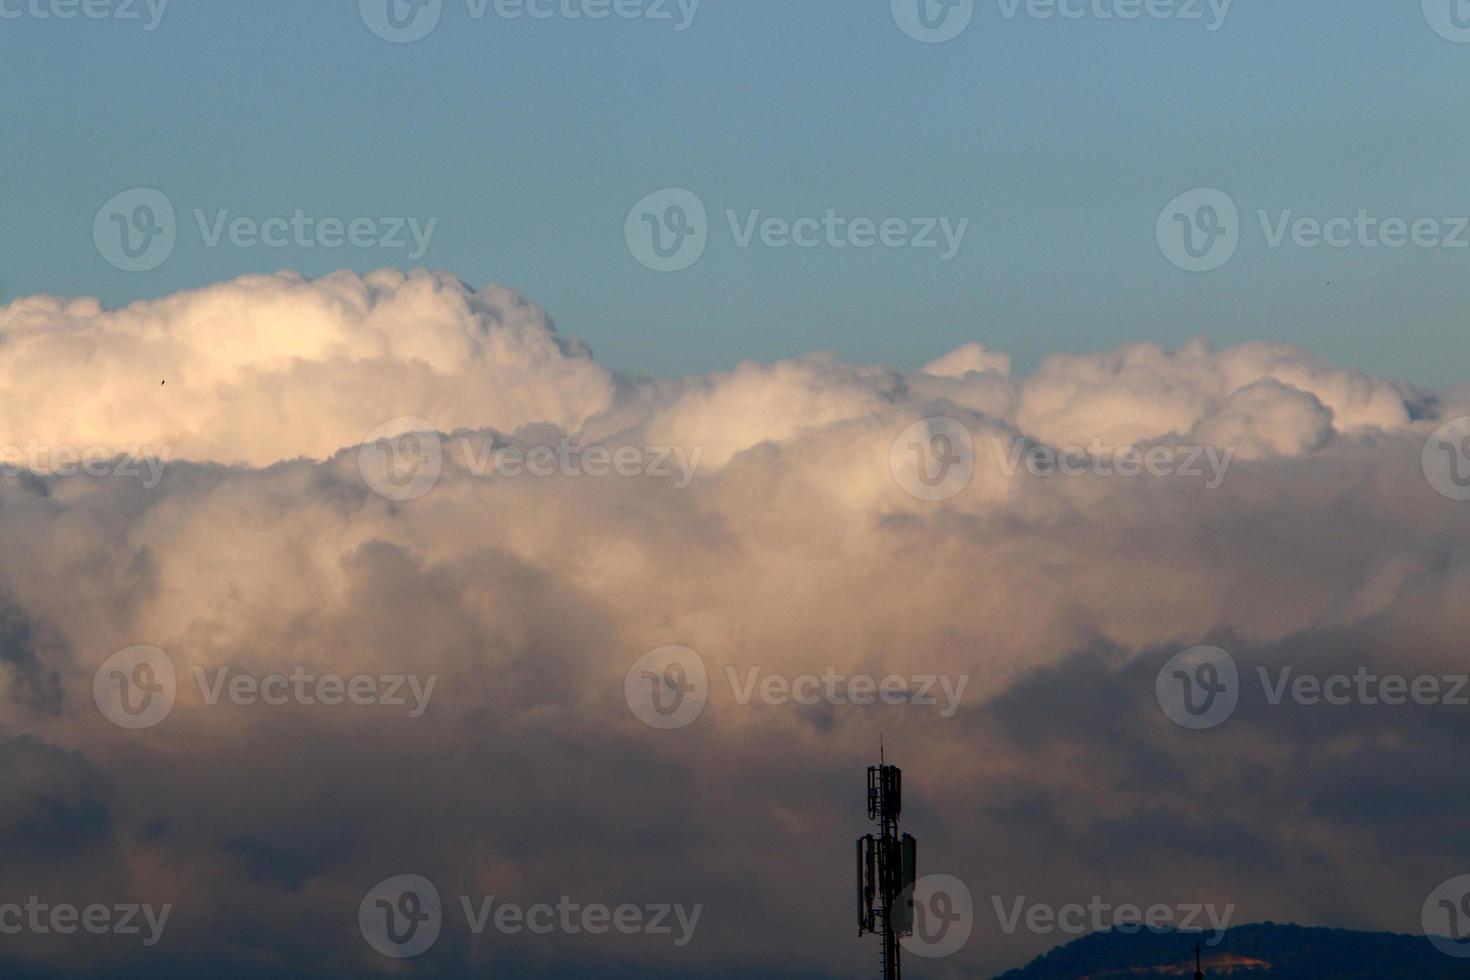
[794,550]
[267,368]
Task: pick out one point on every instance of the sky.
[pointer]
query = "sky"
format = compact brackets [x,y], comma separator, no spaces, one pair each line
[1139,626]
[530,139]
[463,490]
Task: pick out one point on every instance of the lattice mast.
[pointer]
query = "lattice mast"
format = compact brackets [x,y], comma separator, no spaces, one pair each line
[886,868]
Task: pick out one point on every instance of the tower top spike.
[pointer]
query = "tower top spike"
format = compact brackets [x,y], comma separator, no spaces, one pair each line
[1199,972]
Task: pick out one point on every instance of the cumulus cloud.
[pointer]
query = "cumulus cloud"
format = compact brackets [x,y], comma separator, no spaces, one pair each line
[267,368]
[795,550]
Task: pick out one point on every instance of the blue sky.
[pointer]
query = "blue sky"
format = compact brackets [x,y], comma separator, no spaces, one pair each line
[529,141]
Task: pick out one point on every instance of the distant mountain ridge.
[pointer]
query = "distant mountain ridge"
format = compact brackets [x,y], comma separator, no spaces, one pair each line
[1268,951]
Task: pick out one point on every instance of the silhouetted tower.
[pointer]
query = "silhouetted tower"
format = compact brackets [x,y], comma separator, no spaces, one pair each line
[1199,971]
[886,868]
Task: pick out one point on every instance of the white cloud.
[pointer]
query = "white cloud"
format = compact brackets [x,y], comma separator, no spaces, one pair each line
[267,368]
[793,550]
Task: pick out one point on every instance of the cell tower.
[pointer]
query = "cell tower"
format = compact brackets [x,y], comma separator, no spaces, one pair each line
[886,868]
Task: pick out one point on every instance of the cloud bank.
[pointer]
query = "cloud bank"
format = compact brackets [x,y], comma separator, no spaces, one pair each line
[798,548]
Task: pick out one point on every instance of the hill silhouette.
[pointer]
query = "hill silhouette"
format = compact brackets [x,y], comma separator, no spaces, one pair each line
[1268,951]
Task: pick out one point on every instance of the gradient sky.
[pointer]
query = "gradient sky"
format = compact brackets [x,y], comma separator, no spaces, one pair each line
[530,141]
[336,502]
